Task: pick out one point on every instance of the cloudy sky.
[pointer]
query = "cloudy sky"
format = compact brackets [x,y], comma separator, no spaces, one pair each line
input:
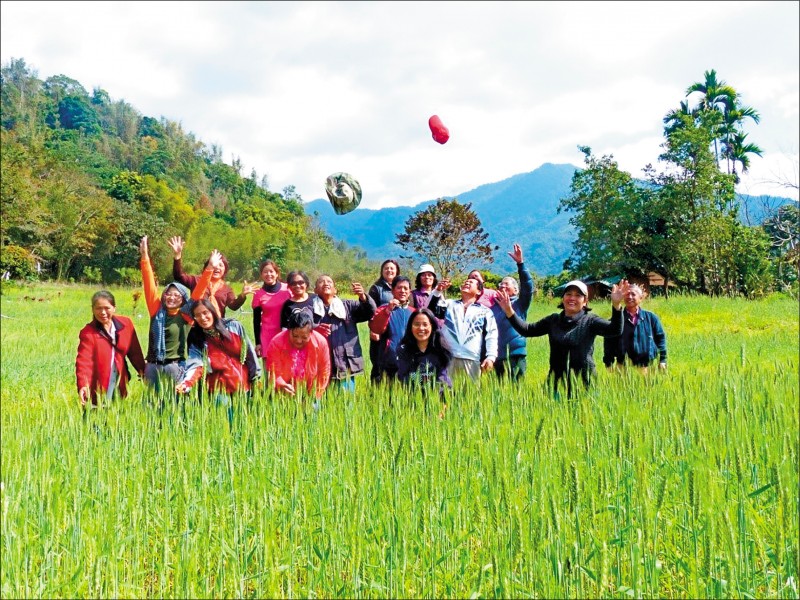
[299,90]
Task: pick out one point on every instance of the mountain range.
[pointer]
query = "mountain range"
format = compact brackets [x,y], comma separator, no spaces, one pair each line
[522,209]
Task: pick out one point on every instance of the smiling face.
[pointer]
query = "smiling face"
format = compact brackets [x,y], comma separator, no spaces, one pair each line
[299,336]
[573,301]
[203,316]
[508,285]
[298,288]
[103,311]
[269,275]
[173,299]
[389,272]
[469,289]
[426,279]
[633,298]
[402,291]
[325,288]
[421,328]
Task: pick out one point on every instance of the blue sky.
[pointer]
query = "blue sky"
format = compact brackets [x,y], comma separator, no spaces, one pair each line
[299,90]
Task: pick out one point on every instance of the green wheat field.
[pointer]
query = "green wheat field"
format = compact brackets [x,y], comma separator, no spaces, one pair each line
[676,485]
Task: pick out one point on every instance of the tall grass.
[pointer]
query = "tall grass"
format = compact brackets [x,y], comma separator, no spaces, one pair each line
[676,485]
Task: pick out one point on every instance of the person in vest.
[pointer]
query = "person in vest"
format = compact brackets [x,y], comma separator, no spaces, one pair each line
[170,321]
[389,323]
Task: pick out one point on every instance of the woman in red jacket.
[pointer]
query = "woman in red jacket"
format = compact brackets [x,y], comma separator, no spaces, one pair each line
[104,345]
[223,345]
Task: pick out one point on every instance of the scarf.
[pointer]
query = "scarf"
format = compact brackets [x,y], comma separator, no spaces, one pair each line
[336,308]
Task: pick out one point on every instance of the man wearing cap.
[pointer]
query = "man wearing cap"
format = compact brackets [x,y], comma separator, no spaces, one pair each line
[469,328]
[425,283]
[571,332]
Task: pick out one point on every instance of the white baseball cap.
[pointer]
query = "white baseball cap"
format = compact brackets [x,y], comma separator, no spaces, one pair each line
[578,284]
[426,268]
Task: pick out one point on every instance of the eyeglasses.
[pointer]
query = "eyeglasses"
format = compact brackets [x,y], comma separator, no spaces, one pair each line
[297,282]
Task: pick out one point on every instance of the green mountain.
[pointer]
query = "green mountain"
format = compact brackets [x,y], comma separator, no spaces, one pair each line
[522,208]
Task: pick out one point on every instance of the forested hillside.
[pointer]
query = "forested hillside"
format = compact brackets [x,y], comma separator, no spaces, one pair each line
[84,177]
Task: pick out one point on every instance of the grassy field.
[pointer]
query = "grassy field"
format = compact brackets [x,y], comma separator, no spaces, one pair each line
[677,485]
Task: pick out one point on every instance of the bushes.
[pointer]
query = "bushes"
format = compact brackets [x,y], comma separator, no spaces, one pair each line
[18,262]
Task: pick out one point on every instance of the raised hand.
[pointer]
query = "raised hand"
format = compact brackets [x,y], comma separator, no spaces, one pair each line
[358,290]
[504,301]
[516,254]
[249,288]
[618,293]
[177,244]
[443,285]
[143,247]
[215,260]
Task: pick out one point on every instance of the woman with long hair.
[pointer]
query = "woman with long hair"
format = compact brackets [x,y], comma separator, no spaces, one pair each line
[381,293]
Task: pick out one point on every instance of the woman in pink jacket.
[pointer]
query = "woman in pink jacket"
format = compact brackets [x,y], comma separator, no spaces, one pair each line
[299,355]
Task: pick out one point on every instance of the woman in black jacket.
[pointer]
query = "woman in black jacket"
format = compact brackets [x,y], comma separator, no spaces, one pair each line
[571,332]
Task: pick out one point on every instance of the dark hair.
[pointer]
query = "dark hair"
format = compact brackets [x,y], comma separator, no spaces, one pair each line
[224,264]
[437,343]
[267,262]
[301,274]
[197,335]
[480,285]
[418,281]
[386,262]
[400,279]
[105,295]
[299,318]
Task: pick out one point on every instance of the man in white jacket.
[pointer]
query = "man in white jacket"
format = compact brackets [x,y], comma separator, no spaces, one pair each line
[469,328]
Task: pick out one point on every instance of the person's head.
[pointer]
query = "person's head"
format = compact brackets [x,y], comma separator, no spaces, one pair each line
[475,274]
[574,298]
[471,288]
[325,288]
[300,324]
[401,289]
[103,307]
[423,329]
[269,271]
[219,271]
[389,270]
[175,295]
[509,286]
[634,296]
[298,283]
[204,314]
[426,278]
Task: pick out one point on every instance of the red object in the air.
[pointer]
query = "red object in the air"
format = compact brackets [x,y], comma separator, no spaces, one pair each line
[439,131]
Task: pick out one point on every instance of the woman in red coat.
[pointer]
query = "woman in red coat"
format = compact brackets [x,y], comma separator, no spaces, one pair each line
[104,345]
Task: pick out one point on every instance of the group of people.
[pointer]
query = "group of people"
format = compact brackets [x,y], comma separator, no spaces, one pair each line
[306,341]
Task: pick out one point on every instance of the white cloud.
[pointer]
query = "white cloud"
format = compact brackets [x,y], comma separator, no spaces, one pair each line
[299,90]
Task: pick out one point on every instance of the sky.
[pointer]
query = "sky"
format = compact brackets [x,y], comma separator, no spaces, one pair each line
[300,90]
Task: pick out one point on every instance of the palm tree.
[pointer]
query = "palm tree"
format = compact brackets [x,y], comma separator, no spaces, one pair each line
[678,118]
[735,114]
[737,150]
[717,97]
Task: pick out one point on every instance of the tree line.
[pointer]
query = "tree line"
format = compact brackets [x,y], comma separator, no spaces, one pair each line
[85,177]
[683,221]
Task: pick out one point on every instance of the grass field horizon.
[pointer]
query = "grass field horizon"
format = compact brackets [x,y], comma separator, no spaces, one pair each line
[682,484]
